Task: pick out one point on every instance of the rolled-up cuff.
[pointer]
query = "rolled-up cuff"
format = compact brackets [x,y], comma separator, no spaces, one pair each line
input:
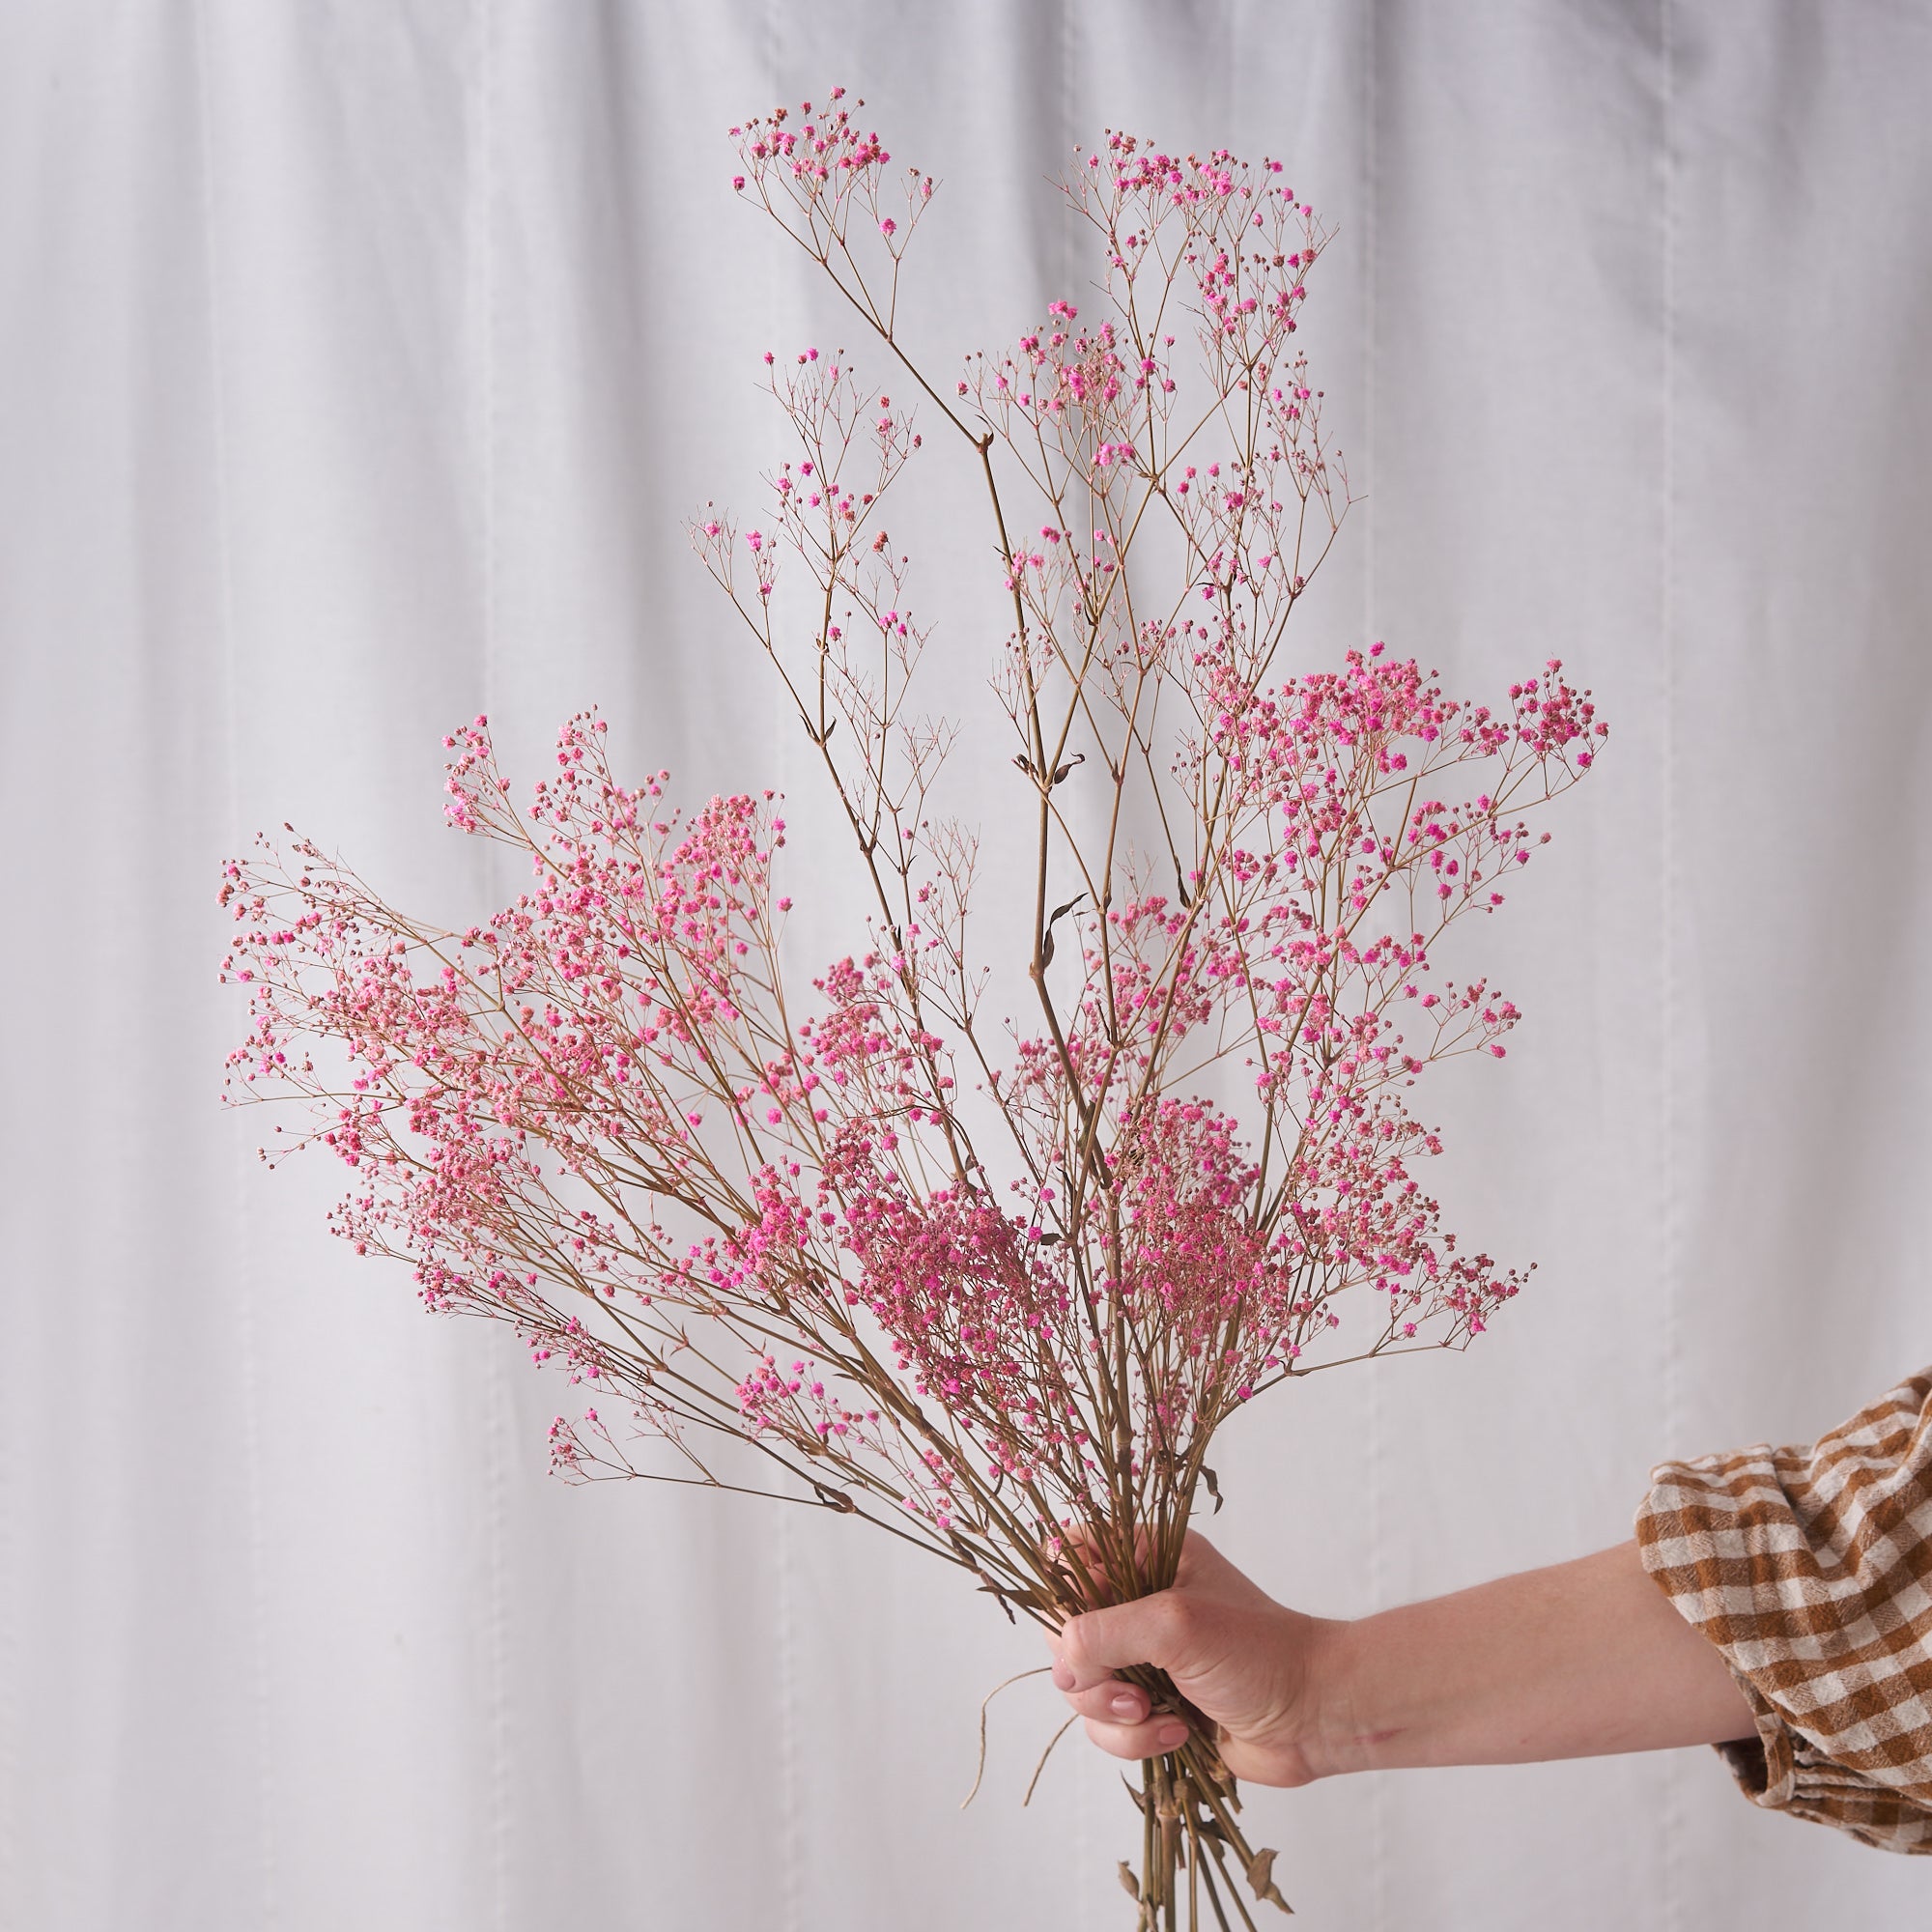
[1807,1570]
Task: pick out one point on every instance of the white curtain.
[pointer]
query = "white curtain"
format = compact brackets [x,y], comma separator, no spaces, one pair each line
[360,359]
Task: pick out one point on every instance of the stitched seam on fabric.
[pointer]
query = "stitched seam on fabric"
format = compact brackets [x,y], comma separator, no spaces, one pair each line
[249,1340]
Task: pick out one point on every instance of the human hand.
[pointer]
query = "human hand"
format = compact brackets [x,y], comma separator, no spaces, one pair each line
[1243,1660]
[1573,1661]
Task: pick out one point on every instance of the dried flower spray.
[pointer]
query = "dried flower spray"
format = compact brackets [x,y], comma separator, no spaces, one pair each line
[991,1288]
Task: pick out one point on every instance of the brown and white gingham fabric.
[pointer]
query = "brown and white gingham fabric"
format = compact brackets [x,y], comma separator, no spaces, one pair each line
[1811,1571]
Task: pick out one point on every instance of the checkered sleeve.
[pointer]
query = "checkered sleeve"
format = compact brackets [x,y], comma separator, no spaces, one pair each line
[1811,1571]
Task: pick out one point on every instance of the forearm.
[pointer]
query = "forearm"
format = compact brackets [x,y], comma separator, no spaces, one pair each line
[1578,1660]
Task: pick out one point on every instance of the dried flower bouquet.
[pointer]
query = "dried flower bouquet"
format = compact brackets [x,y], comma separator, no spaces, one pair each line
[994,1286]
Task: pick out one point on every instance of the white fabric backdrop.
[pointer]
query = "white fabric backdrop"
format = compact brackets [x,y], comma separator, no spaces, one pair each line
[360,359]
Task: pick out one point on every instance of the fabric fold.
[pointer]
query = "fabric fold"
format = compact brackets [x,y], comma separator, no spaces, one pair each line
[1810,1569]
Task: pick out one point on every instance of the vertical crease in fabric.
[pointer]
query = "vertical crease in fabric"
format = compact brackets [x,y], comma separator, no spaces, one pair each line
[1670,1205]
[498,1409]
[1070,132]
[1379,1799]
[791,1833]
[248,1340]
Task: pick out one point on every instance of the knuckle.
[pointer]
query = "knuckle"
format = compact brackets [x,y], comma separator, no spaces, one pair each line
[1074,1644]
[1170,1621]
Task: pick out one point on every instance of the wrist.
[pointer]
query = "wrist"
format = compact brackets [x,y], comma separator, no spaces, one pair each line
[1334,1736]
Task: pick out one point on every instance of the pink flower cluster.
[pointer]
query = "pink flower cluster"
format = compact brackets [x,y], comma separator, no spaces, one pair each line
[615,1056]
[992,1288]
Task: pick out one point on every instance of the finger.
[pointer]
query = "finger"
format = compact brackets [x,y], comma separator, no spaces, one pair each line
[1073,1680]
[1112,1702]
[1139,1740]
[1068,1680]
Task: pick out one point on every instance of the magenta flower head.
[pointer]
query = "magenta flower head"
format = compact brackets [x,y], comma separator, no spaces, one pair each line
[976,1240]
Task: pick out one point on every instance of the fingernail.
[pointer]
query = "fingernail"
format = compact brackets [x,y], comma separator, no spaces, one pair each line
[1171,1736]
[1127,1705]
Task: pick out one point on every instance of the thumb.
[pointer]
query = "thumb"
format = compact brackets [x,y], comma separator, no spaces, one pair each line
[1150,1629]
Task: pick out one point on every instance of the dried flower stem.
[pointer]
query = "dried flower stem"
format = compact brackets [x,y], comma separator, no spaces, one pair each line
[1004,1318]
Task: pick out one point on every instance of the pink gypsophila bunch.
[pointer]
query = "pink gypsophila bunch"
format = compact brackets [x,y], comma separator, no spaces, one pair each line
[991,1289]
